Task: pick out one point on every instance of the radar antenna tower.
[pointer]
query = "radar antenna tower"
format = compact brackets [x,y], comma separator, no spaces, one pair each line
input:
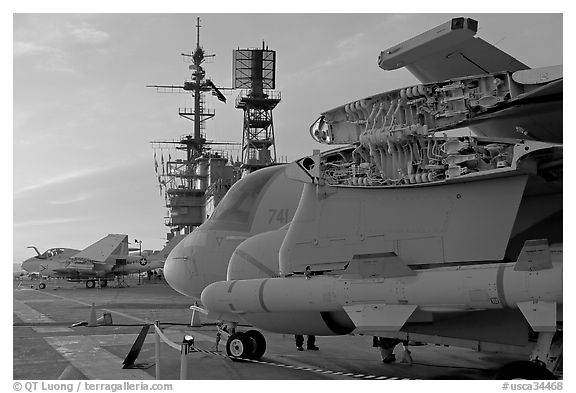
[255,73]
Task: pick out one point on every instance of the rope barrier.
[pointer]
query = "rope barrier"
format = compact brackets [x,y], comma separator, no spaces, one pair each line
[163,337]
[186,348]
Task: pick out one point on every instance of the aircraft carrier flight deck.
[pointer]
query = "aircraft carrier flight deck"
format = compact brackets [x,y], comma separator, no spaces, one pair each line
[46,347]
[412,234]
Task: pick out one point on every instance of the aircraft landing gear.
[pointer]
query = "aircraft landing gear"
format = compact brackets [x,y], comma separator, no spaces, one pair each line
[249,345]
[90,284]
[41,285]
[545,360]
[121,283]
[238,345]
[258,343]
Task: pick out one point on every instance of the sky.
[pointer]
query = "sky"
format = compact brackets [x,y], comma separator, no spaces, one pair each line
[83,119]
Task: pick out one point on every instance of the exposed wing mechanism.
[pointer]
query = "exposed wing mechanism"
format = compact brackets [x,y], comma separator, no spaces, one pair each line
[492,105]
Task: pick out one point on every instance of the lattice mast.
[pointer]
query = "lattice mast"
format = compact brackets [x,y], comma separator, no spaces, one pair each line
[255,73]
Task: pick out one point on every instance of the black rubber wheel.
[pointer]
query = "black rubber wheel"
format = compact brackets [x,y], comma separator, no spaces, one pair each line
[90,284]
[524,370]
[103,283]
[239,345]
[41,285]
[259,344]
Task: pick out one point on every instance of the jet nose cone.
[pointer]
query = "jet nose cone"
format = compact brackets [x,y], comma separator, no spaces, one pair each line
[179,269]
[31,265]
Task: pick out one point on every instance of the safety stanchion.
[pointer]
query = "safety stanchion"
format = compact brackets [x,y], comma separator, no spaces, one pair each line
[157,348]
[187,342]
[184,348]
[183,361]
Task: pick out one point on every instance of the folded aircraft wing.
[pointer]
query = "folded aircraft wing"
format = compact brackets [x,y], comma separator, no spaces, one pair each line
[448,51]
[102,249]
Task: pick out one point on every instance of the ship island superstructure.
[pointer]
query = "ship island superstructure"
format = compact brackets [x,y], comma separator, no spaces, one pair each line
[194,184]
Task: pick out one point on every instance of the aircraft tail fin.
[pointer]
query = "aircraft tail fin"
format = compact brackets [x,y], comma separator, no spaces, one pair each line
[163,254]
[103,248]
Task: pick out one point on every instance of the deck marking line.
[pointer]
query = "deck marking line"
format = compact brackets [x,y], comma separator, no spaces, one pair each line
[28,315]
[87,356]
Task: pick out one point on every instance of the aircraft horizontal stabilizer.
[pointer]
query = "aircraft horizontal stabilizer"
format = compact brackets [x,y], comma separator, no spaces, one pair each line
[385,317]
[541,316]
[102,249]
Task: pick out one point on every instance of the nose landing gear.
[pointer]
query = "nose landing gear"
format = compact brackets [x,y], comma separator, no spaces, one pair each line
[246,345]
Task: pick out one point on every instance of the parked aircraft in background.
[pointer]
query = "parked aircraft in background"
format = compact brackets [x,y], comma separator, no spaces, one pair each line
[104,260]
[405,232]
[157,259]
[37,263]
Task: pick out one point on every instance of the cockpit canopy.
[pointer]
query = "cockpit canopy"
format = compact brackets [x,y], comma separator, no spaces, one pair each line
[236,211]
[50,253]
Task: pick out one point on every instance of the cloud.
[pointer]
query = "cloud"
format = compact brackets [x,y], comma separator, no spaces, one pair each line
[88,34]
[346,49]
[52,43]
[49,221]
[22,48]
[52,60]
[72,199]
[57,62]
[63,178]
[349,43]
